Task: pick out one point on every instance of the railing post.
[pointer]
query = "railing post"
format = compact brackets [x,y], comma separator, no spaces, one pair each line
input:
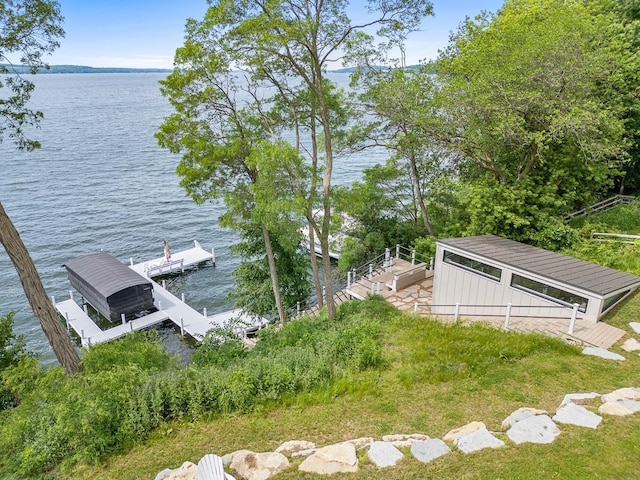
[164,284]
[372,288]
[182,326]
[457,312]
[123,318]
[507,316]
[431,263]
[349,279]
[413,256]
[572,322]
[66,317]
[387,258]
[397,251]
[204,312]
[378,288]
[131,261]
[85,309]
[415,307]
[297,309]
[370,271]
[82,334]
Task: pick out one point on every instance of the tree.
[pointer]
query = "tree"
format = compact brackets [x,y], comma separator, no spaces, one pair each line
[298,39]
[30,29]
[537,78]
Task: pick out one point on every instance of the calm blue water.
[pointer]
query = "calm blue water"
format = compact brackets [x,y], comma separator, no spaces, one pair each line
[100,182]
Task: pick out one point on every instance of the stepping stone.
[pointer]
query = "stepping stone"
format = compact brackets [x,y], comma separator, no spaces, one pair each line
[384,454]
[578,398]
[360,442]
[456,433]
[622,394]
[534,429]
[259,466]
[428,450]
[519,415]
[617,409]
[635,326]
[631,345]
[573,414]
[602,353]
[404,440]
[478,440]
[338,458]
[293,446]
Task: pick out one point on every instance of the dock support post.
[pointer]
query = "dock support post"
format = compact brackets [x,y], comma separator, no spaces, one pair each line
[182,297]
[71,294]
[457,312]
[413,256]
[182,326]
[66,317]
[53,300]
[82,334]
[182,265]
[572,322]
[85,309]
[507,316]
[124,319]
[204,312]
[131,261]
[164,284]
[159,304]
[213,257]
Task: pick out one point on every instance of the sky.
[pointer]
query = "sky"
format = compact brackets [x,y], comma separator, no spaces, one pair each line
[146,33]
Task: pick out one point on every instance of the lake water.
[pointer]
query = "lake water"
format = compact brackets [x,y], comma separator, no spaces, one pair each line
[100,182]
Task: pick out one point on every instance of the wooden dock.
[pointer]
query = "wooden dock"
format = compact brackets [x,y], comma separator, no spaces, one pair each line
[169,307]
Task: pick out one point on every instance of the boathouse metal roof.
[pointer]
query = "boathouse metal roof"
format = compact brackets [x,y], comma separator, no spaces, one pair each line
[544,263]
[105,273]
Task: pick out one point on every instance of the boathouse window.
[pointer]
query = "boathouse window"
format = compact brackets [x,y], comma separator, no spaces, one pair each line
[475,266]
[547,291]
[611,301]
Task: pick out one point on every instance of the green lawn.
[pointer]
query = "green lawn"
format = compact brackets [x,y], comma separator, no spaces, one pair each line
[435,378]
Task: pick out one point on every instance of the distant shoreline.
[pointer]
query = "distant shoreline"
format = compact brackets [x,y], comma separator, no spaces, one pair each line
[59,69]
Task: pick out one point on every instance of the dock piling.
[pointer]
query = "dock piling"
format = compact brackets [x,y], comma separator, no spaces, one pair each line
[213,257]
[204,312]
[53,299]
[71,294]
[182,297]
[182,326]
[66,317]
[124,319]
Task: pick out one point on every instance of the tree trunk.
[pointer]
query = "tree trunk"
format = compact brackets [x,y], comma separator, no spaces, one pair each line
[274,275]
[418,190]
[314,265]
[42,307]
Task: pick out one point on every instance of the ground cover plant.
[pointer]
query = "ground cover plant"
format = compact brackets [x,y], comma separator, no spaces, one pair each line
[132,386]
[435,377]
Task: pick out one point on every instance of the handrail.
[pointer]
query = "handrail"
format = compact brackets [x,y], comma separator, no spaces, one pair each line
[615,237]
[603,205]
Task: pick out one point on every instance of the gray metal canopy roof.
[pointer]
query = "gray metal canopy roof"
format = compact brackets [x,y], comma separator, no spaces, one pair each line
[554,266]
[105,273]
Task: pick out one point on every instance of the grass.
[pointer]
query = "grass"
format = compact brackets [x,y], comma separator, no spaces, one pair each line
[436,378]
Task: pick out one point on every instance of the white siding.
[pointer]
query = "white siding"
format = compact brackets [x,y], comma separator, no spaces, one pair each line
[454,284]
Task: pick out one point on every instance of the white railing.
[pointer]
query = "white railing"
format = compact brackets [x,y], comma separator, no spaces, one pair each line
[615,237]
[570,313]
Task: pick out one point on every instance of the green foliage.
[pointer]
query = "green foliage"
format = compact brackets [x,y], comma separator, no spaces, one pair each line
[30,30]
[130,387]
[219,347]
[141,349]
[12,352]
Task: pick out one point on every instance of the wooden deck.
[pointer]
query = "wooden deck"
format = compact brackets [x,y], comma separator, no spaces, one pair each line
[585,332]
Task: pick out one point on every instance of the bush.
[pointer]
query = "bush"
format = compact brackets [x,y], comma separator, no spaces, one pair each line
[12,352]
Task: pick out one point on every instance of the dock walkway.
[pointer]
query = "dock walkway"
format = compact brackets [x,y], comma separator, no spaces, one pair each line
[169,307]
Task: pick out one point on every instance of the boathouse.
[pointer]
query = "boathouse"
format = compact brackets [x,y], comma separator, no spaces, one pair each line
[108,285]
[485,272]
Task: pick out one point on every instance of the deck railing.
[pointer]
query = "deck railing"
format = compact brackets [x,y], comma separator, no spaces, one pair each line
[567,313]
